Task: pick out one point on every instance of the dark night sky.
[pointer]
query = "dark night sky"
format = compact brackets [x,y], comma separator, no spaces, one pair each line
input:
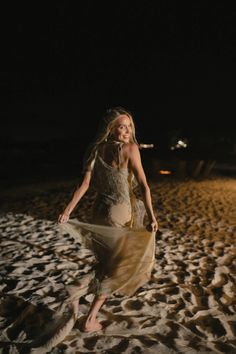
[171,63]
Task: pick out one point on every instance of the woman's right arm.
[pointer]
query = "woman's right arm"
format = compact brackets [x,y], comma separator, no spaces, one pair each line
[137,168]
[78,194]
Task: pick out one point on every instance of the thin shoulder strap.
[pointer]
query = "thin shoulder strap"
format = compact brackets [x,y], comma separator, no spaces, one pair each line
[120,153]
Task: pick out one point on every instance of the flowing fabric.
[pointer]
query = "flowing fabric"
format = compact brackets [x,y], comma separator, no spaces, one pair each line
[124,249]
[125,256]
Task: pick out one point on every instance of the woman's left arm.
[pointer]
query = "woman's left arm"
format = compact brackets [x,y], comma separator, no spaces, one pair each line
[137,168]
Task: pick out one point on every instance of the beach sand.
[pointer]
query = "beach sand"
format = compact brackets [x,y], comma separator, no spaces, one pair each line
[189,305]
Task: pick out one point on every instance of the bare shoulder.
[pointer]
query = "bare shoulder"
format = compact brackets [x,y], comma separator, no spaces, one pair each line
[132,154]
[130,149]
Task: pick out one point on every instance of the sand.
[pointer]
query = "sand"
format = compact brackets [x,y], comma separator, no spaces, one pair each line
[189,306]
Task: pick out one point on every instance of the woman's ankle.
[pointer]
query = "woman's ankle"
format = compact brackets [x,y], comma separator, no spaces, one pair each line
[90,319]
[101,297]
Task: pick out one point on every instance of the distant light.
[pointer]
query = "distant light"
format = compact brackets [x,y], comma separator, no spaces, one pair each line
[180,144]
[164,172]
[146,146]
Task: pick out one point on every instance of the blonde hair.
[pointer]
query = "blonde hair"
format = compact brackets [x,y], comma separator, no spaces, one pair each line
[107,126]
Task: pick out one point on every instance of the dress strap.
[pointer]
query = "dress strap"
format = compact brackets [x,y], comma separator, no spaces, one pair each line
[120,153]
[117,152]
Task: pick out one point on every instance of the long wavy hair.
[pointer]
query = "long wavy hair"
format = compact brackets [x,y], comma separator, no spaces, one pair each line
[105,133]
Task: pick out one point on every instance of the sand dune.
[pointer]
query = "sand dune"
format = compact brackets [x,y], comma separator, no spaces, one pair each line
[189,306]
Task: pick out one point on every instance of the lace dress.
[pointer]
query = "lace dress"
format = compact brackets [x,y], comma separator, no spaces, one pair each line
[123,247]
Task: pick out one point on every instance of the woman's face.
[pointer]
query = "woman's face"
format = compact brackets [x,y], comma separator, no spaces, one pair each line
[122,130]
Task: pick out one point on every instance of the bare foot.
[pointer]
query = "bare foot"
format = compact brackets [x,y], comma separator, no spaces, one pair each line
[92,326]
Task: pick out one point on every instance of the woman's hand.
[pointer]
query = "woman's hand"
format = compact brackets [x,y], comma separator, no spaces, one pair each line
[64,217]
[153,225]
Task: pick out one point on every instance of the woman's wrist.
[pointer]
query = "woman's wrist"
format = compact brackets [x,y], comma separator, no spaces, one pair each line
[152,218]
[67,212]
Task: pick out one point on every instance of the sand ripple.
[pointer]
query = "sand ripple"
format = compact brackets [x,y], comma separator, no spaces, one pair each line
[189,306]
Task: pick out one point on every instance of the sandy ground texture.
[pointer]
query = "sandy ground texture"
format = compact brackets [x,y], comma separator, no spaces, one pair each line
[189,306]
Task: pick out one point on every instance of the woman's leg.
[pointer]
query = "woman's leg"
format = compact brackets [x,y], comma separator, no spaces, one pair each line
[91,323]
[75,306]
[77,290]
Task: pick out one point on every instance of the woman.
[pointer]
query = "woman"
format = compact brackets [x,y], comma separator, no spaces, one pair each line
[123,247]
